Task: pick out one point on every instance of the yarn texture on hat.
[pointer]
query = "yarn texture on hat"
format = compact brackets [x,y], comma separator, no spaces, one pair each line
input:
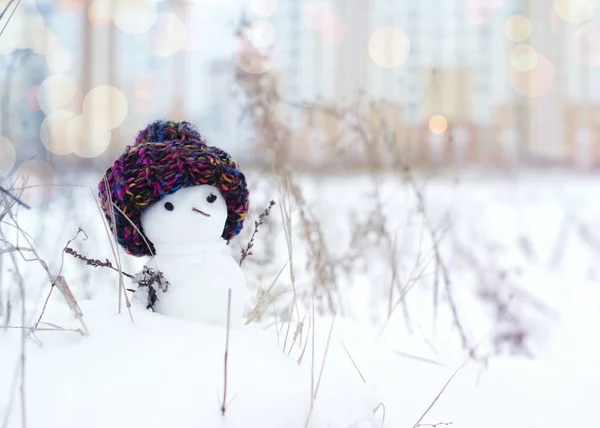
[166,157]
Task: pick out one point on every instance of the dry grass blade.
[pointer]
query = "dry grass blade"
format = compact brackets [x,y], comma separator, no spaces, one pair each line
[353,362]
[376,409]
[13,197]
[12,12]
[122,291]
[55,280]
[299,361]
[74,330]
[297,333]
[61,283]
[437,397]
[115,254]
[266,298]
[223,405]
[316,391]
[286,218]
[422,359]
[438,258]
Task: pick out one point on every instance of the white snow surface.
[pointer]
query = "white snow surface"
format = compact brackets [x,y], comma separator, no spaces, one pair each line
[163,371]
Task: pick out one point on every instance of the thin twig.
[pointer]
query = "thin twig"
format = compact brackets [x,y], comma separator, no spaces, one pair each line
[261,218]
[94,262]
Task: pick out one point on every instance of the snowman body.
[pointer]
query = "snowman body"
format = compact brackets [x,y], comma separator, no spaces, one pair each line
[199,285]
[185,229]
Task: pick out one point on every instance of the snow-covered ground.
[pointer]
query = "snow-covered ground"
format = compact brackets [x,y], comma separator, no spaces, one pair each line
[520,253]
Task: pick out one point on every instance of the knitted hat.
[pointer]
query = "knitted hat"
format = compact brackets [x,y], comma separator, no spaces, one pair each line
[166,157]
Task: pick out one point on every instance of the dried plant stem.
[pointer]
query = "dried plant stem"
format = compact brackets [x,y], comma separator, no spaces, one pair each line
[94,262]
[261,218]
[20,372]
[10,195]
[122,291]
[12,12]
[316,391]
[74,330]
[416,425]
[223,405]
[115,251]
[353,362]
[438,259]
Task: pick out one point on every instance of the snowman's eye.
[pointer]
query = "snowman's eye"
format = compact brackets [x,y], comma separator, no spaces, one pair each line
[211,198]
[169,206]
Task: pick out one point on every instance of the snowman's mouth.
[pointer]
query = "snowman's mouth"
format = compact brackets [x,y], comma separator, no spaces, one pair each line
[201,212]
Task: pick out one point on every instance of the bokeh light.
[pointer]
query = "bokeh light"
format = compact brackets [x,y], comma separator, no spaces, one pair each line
[314,14]
[168,36]
[58,58]
[333,29]
[38,180]
[143,101]
[135,16]
[587,44]
[86,136]
[53,132]
[41,40]
[261,33]
[574,11]
[35,25]
[99,13]
[146,86]
[517,28]
[8,156]
[197,27]
[523,57]
[389,47]
[479,12]
[320,17]
[264,8]
[535,82]
[143,107]
[107,105]
[56,91]
[438,124]
[71,5]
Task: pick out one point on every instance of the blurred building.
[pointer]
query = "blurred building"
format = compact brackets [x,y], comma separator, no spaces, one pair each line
[436,82]
[467,62]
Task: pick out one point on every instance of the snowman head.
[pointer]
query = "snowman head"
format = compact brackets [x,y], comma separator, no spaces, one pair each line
[160,190]
[192,214]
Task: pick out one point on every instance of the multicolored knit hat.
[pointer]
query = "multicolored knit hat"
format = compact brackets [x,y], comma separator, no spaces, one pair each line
[166,157]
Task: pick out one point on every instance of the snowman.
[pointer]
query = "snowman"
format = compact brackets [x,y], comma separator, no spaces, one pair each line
[179,201]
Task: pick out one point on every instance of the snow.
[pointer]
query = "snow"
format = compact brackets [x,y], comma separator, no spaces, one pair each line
[530,235]
[162,371]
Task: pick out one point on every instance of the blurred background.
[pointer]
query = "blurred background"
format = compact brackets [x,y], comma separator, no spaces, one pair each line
[453,82]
